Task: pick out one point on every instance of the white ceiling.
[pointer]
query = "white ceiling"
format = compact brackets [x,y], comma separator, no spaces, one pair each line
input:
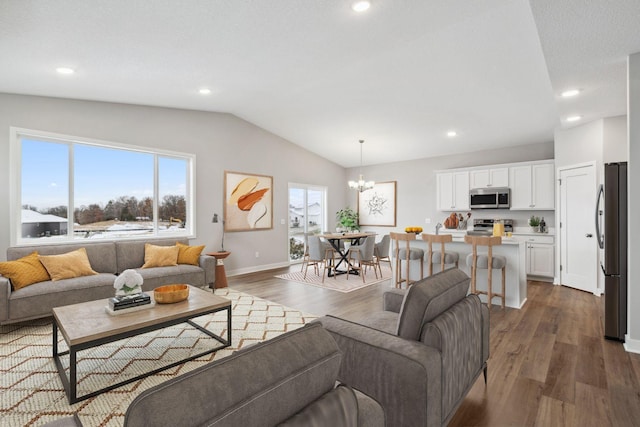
[398,76]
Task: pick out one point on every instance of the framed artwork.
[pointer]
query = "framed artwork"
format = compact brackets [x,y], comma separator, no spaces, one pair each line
[248,201]
[377,206]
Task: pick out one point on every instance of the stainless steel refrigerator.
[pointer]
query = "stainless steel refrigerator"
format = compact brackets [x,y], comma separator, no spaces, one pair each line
[612,206]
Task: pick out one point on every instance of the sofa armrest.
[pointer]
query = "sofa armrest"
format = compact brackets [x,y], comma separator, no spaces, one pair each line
[208,264]
[485,333]
[392,300]
[403,376]
[5,293]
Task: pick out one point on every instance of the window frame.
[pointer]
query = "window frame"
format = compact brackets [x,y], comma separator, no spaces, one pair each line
[15,186]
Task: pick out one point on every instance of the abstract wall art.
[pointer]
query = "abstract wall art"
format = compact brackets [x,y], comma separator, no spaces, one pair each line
[248,201]
[377,206]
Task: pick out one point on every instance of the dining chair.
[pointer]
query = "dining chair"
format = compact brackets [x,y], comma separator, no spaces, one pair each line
[363,254]
[305,256]
[381,251]
[489,262]
[443,257]
[320,255]
[407,254]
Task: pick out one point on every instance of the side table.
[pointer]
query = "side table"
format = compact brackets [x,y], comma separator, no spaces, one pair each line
[221,275]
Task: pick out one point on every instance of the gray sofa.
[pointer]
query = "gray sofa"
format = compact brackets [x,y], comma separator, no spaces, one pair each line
[289,380]
[106,258]
[422,354]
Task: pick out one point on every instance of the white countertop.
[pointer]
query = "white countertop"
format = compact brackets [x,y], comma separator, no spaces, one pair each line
[519,231]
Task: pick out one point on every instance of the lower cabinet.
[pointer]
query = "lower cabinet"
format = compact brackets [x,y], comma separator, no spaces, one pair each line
[540,260]
[540,255]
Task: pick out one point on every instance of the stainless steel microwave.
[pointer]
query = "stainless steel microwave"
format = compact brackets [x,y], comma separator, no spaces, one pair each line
[490,198]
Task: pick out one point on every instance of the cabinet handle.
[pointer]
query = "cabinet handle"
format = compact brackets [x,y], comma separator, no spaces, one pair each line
[588,235]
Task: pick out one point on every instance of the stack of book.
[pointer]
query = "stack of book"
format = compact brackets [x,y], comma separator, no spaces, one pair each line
[128,301]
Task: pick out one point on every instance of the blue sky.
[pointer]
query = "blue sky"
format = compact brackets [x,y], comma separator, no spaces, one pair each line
[100,174]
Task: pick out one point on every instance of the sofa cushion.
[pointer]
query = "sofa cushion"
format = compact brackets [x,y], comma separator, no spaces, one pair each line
[38,299]
[130,253]
[24,271]
[68,265]
[102,256]
[262,385]
[160,256]
[158,276]
[429,297]
[189,254]
[337,408]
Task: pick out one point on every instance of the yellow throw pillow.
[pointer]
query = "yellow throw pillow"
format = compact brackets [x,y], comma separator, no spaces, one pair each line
[24,271]
[67,266]
[189,254]
[160,256]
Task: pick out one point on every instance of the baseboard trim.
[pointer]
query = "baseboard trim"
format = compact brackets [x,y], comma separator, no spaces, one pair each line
[257,268]
[631,345]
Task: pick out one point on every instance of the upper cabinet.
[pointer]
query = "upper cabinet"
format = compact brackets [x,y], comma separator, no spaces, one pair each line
[532,186]
[453,191]
[487,178]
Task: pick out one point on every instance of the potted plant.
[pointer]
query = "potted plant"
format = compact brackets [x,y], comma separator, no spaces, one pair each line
[534,223]
[347,219]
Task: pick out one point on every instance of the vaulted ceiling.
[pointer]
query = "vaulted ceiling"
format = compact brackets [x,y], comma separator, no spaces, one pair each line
[400,75]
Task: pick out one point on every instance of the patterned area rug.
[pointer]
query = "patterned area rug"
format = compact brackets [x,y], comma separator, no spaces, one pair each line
[31,391]
[338,283]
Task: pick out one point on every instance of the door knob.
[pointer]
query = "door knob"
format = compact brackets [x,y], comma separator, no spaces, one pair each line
[588,235]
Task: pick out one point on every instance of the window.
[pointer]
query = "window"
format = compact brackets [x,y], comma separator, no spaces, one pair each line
[71,189]
[307,214]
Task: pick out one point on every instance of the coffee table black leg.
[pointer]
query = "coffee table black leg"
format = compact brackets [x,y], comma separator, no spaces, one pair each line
[55,339]
[72,376]
[229,325]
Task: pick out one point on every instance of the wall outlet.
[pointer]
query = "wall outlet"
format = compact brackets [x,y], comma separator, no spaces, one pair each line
[257,254]
[427,220]
[282,221]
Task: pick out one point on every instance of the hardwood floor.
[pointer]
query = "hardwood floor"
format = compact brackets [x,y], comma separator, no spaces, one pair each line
[549,363]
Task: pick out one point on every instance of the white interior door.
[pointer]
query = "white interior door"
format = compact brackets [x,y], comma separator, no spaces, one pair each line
[578,245]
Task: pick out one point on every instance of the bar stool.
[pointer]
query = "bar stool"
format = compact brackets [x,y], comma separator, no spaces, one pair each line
[441,257]
[488,262]
[408,254]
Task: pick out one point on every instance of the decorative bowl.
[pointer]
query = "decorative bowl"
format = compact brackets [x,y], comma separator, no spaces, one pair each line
[168,294]
[414,230]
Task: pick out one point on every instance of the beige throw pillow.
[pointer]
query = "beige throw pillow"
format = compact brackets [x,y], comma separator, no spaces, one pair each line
[160,256]
[67,266]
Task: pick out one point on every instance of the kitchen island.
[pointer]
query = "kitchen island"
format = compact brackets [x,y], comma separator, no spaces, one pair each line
[512,249]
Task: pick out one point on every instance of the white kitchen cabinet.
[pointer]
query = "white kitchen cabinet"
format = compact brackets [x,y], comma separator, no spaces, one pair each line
[453,191]
[540,251]
[488,178]
[532,186]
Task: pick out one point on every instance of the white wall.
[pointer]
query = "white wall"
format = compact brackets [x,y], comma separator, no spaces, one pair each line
[633,333]
[416,184]
[615,140]
[219,141]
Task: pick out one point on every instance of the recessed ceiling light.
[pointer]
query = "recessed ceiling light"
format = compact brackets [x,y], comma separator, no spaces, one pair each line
[451,133]
[65,70]
[573,118]
[569,93]
[361,6]
[205,91]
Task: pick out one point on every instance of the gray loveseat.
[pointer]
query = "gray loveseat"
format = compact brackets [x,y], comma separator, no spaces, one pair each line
[289,380]
[422,354]
[106,258]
